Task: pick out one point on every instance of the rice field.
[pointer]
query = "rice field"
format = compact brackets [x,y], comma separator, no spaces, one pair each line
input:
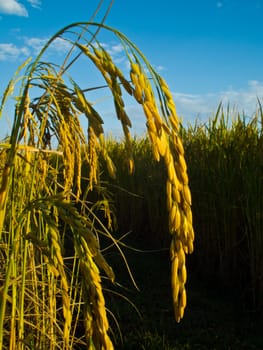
[224,157]
[75,205]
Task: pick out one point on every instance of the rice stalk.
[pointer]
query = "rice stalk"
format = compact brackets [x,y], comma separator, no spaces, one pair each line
[46,150]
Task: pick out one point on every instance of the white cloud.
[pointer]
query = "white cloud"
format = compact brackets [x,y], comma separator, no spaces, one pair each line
[31,46]
[13,7]
[35,44]
[59,46]
[116,49]
[202,106]
[35,3]
[10,52]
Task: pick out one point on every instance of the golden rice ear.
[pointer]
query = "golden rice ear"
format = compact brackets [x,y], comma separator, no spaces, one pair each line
[163,130]
[92,157]
[3,188]
[131,166]
[111,167]
[98,325]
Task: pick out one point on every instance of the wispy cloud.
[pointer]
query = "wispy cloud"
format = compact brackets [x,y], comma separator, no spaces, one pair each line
[31,46]
[35,44]
[116,51]
[35,3]
[10,52]
[202,106]
[59,46]
[13,7]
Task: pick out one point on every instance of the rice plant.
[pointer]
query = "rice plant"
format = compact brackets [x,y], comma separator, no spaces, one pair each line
[51,257]
[224,157]
[225,165]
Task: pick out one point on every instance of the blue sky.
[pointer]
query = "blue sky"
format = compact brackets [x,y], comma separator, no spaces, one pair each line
[208,51]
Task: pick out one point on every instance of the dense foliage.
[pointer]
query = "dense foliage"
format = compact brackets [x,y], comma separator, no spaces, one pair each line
[225,164]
